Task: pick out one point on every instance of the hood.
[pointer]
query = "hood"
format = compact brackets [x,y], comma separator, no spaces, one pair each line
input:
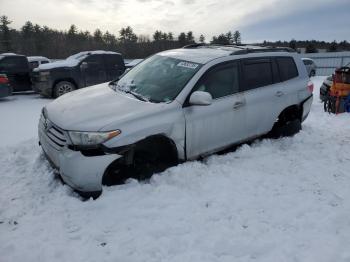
[93,108]
[58,64]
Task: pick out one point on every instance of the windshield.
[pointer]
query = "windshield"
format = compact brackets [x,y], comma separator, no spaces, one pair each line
[159,78]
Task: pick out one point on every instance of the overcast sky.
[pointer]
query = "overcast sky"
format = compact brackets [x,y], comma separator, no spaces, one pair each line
[257,20]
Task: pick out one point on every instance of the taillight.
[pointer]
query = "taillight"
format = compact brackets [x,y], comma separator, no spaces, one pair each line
[310,86]
[3,80]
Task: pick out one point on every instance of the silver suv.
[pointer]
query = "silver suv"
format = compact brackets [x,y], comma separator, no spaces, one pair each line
[175,106]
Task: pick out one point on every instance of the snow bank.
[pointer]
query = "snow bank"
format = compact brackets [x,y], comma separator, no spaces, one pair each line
[275,200]
[19,118]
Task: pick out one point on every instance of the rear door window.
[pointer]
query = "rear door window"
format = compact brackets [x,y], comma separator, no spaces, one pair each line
[287,68]
[113,62]
[256,73]
[95,61]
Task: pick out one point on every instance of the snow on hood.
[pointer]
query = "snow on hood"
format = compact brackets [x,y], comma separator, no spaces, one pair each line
[93,108]
[62,63]
[72,60]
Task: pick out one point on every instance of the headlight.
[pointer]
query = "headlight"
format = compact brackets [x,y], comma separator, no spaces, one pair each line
[44,76]
[44,73]
[91,138]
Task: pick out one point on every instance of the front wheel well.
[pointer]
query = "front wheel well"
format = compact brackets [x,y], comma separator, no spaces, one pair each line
[159,143]
[158,151]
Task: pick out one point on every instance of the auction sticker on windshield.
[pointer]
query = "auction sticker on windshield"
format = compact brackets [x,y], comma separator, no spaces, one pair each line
[187,65]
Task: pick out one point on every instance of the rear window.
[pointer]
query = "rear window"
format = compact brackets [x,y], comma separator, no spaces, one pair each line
[257,73]
[287,68]
[17,63]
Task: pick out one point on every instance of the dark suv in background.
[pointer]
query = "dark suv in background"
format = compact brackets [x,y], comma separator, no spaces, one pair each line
[77,71]
[16,68]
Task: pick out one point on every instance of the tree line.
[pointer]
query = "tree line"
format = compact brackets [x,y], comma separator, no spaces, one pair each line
[34,39]
[311,46]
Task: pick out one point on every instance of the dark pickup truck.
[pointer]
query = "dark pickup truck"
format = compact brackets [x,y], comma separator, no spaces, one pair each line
[77,71]
[17,70]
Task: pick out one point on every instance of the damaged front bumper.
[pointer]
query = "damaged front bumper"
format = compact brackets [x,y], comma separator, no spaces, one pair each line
[82,173]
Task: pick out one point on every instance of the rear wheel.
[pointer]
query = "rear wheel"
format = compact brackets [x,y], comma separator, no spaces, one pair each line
[288,124]
[62,88]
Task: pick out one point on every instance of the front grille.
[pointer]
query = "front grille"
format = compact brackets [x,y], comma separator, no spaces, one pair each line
[55,135]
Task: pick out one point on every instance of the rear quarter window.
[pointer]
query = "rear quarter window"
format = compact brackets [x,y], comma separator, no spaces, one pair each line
[287,68]
[33,64]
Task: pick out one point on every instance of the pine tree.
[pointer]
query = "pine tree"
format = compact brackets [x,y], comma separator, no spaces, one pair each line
[201,39]
[127,35]
[157,36]
[170,36]
[237,37]
[5,36]
[229,37]
[182,39]
[293,44]
[333,47]
[310,48]
[189,37]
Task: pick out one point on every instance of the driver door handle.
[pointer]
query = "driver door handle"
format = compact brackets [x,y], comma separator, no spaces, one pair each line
[279,93]
[238,105]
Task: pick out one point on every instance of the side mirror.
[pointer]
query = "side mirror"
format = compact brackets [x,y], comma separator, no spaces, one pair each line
[84,65]
[201,98]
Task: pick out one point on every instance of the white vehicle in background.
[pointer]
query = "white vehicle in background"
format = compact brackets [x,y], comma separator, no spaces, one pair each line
[35,61]
[175,106]
[310,66]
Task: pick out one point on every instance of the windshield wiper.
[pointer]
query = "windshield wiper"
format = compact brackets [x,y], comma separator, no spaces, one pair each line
[138,96]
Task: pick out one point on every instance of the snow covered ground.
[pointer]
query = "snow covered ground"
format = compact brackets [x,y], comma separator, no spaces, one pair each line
[275,200]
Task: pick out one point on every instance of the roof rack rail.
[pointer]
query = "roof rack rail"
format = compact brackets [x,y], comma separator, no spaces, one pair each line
[261,50]
[195,45]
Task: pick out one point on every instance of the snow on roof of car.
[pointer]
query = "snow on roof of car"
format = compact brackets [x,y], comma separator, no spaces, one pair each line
[197,55]
[72,60]
[37,58]
[85,53]
[203,53]
[8,54]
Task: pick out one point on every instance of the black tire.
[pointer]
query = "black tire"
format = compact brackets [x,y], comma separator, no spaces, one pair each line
[145,163]
[284,128]
[87,195]
[312,73]
[62,88]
